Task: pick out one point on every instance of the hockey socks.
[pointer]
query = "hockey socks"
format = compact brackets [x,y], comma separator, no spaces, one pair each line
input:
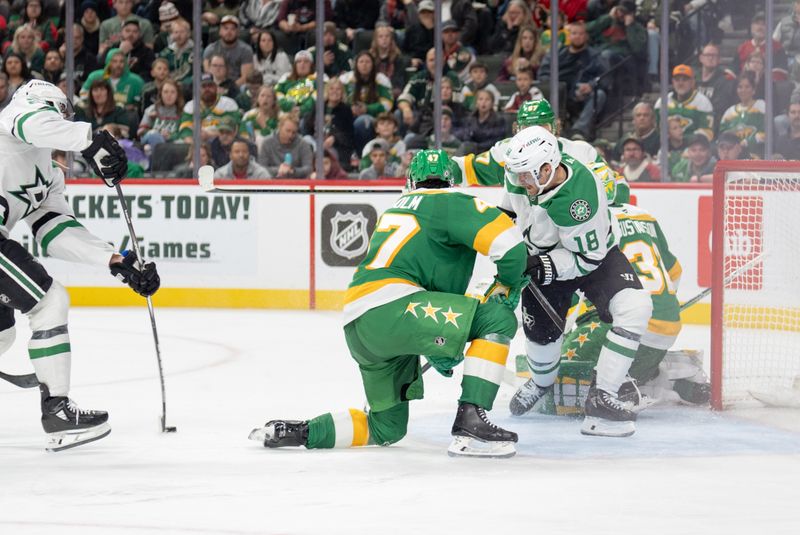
[645,365]
[544,361]
[484,365]
[51,358]
[616,357]
[338,430]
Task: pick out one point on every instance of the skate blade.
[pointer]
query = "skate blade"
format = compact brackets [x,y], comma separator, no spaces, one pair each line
[65,440]
[259,434]
[470,447]
[645,403]
[601,427]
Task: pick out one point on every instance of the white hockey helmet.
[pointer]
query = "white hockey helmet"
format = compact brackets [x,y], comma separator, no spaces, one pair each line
[41,93]
[527,152]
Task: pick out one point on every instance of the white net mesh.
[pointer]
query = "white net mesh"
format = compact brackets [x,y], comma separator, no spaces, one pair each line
[761,311]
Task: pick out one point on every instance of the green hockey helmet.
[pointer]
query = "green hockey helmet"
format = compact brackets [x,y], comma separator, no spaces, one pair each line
[536,113]
[432,167]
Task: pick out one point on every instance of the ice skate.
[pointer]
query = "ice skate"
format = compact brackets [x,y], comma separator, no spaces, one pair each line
[607,416]
[67,426]
[527,397]
[475,436]
[281,433]
[629,392]
[693,393]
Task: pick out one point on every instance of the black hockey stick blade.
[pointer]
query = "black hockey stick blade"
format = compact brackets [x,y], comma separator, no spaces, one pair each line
[548,308]
[22,381]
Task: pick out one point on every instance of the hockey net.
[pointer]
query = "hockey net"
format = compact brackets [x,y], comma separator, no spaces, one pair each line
[755,311]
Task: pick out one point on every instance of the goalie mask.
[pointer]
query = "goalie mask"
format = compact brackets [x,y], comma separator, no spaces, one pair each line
[535,113]
[430,168]
[41,93]
[527,153]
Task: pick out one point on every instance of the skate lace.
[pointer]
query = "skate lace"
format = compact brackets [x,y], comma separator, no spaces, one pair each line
[484,418]
[530,391]
[615,402]
[72,406]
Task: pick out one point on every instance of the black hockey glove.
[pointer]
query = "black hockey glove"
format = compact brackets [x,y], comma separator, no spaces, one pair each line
[541,269]
[107,158]
[144,282]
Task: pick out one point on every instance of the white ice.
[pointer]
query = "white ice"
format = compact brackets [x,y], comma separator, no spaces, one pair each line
[685,471]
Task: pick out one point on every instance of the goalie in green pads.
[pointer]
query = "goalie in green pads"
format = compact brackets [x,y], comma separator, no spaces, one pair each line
[407,299]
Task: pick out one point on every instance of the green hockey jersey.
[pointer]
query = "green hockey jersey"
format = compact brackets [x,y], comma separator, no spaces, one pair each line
[747,122]
[696,114]
[428,241]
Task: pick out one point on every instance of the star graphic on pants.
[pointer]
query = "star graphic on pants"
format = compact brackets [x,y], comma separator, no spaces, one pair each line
[450,316]
[412,308]
[593,325]
[571,354]
[582,339]
[430,312]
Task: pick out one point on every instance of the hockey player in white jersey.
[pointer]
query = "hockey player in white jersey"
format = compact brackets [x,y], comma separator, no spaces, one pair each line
[562,209]
[35,122]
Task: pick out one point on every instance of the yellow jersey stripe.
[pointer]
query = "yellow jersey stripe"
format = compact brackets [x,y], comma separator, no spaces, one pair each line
[486,350]
[490,231]
[357,292]
[666,328]
[469,169]
[676,271]
[360,428]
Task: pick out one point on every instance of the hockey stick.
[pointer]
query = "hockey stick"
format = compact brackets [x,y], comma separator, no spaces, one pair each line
[23,381]
[136,249]
[548,308]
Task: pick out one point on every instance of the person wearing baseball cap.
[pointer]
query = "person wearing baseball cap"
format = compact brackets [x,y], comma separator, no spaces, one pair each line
[637,166]
[458,57]
[111,28]
[693,107]
[238,56]
[698,164]
[213,108]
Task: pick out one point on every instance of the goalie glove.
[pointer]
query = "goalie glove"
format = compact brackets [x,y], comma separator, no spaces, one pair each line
[505,295]
[107,158]
[144,281]
[541,269]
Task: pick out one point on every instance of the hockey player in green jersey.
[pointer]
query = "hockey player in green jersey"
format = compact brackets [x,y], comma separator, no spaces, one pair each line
[562,208]
[487,169]
[643,242]
[407,299]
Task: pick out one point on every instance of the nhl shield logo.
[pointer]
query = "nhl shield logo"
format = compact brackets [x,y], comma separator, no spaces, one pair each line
[345,233]
[349,236]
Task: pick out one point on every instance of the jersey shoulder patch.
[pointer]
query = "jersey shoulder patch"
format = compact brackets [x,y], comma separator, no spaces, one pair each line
[577,201]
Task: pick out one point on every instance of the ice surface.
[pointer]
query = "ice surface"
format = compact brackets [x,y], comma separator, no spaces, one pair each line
[684,471]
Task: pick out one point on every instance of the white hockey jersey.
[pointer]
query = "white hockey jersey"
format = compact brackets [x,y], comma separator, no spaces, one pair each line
[33,187]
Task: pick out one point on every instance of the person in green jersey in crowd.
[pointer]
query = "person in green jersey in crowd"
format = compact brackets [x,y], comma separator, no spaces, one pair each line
[680,375]
[487,168]
[407,299]
[562,209]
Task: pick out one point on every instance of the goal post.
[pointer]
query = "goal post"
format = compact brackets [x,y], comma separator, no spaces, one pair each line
[755,313]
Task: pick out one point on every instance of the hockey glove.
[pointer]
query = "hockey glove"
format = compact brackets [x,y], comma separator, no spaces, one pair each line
[107,158]
[144,282]
[505,295]
[541,269]
[445,365]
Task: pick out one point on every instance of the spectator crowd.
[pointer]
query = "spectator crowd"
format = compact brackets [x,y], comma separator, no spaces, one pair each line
[134,70]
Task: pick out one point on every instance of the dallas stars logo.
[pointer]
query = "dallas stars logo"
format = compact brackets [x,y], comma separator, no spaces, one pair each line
[33,195]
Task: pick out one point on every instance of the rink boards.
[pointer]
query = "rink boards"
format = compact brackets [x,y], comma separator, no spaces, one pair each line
[294,250]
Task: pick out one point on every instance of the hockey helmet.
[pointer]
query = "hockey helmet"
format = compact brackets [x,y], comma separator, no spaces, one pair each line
[526,154]
[536,113]
[41,93]
[430,165]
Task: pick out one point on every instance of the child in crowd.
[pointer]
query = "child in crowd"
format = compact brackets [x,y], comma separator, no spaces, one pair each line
[479,79]
[525,90]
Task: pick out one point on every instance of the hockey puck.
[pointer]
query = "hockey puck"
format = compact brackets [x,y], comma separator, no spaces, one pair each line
[170,429]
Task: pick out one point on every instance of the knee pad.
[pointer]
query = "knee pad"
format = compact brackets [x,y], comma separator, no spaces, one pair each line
[493,319]
[52,311]
[7,337]
[630,311]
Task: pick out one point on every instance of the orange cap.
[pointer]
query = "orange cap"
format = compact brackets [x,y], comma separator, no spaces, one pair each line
[683,70]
